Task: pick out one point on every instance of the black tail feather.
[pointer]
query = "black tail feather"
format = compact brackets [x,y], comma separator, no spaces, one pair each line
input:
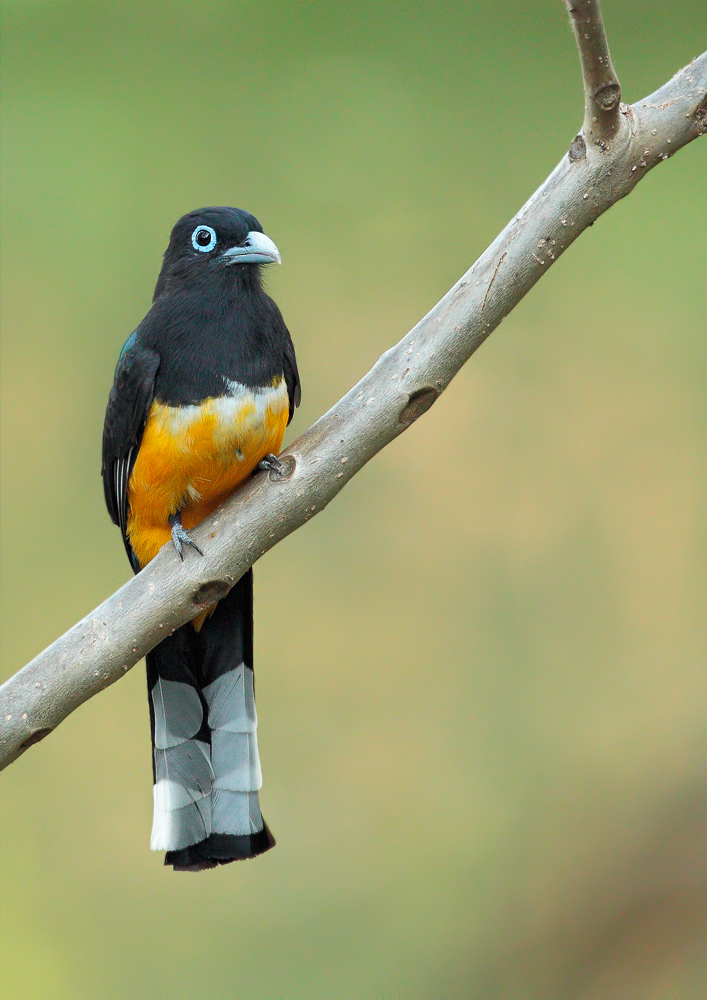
[220,849]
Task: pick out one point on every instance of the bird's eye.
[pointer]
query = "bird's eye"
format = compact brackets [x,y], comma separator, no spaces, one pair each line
[203,239]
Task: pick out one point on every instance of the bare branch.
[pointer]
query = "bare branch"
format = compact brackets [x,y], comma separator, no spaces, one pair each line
[602,90]
[401,386]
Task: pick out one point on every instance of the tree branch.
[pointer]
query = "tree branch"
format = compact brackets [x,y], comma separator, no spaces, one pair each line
[602,90]
[401,386]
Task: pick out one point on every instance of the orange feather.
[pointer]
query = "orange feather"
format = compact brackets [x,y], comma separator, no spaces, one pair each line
[191,458]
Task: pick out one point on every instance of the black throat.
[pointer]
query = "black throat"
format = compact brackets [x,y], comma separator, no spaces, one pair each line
[211,328]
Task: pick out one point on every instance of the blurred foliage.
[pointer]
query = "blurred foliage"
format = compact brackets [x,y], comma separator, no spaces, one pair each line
[480,672]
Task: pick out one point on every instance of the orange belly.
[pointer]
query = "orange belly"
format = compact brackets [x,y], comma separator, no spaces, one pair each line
[192,457]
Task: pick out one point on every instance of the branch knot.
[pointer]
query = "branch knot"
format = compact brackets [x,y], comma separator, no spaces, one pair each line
[209,593]
[578,148]
[418,403]
[608,96]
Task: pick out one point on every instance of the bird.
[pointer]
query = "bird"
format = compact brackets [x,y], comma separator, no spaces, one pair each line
[203,391]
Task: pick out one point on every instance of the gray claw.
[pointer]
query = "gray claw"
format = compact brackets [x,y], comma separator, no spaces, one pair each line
[181,537]
[271,463]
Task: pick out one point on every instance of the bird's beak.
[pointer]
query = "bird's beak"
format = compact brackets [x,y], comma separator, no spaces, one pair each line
[258,249]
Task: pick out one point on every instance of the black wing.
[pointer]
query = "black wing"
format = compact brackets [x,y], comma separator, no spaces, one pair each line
[128,406]
[289,362]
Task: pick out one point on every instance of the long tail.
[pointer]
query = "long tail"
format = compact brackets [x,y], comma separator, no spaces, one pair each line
[204,735]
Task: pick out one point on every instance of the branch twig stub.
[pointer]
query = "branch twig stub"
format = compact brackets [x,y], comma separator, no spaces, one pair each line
[602,90]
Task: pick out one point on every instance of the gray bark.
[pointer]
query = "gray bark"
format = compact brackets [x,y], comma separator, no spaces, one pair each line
[615,150]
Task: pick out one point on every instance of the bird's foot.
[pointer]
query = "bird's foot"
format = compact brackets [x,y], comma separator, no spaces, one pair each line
[271,463]
[180,536]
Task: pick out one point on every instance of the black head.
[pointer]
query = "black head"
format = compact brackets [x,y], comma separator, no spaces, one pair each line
[215,245]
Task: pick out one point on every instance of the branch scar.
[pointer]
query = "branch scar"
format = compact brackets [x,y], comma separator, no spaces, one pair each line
[500,261]
[666,104]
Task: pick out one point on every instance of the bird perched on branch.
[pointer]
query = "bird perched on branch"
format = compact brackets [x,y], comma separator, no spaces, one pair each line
[203,391]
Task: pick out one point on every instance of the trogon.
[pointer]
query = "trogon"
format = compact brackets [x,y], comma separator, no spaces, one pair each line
[203,391]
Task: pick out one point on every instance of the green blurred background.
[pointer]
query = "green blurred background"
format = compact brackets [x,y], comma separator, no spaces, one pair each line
[480,672]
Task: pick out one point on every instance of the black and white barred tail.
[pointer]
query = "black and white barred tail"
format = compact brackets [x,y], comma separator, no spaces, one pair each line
[204,733]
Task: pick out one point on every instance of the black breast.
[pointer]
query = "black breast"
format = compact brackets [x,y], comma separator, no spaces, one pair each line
[201,344]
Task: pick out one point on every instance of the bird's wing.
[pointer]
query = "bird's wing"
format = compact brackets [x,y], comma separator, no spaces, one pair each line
[289,362]
[128,407]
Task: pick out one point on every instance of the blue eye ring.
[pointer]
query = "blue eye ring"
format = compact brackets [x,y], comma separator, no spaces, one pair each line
[198,237]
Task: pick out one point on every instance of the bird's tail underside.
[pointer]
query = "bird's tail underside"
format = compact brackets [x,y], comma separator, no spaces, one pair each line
[204,735]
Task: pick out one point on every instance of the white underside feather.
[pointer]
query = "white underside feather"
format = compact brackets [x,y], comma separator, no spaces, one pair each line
[201,789]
